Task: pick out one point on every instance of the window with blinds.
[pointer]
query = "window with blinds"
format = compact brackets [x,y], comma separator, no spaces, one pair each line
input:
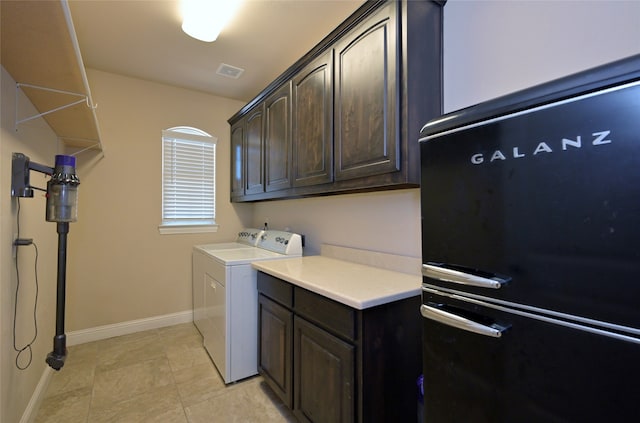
[188,181]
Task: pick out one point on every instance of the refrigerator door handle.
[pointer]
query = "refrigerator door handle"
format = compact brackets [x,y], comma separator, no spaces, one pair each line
[450,319]
[446,273]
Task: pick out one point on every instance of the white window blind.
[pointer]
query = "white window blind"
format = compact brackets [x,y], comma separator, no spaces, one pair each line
[188,178]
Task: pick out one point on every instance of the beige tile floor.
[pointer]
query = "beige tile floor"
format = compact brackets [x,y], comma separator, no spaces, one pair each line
[160,376]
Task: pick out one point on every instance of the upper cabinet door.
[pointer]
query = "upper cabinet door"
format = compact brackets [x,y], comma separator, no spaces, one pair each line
[366,85]
[312,123]
[278,139]
[237,159]
[254,182]
[357,103]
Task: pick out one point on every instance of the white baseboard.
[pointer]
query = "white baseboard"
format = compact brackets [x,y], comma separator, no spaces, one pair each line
[109,331]
[31,412]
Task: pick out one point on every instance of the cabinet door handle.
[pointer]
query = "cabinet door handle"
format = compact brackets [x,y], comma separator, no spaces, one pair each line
[456,321]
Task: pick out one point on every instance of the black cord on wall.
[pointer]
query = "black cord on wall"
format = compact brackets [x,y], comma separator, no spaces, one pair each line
[27,347]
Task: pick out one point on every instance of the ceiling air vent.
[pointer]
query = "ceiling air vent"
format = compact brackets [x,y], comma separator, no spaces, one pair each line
[229,71]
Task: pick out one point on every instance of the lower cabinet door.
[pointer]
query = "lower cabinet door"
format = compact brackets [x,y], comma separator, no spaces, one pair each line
[324,390]
[275,343]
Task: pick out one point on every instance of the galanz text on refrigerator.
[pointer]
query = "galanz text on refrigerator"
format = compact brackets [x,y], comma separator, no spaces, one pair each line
[597,138]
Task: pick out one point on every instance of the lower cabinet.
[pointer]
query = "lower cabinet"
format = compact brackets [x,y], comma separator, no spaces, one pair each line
[330,363]
[324,379]
[274,360]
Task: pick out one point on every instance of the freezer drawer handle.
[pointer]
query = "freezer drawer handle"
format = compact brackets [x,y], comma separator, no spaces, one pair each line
[460,322]
[440,272]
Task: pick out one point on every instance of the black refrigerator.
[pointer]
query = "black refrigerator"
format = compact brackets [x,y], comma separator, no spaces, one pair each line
[530,210]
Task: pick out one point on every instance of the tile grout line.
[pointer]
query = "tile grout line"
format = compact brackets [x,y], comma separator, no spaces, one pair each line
[175,383]
[93,384]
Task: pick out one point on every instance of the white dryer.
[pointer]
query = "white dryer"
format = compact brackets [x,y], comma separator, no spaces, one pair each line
[229,324]
[247,238]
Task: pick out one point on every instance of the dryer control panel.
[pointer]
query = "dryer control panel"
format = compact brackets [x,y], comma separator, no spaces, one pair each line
[282,242]
[249,236]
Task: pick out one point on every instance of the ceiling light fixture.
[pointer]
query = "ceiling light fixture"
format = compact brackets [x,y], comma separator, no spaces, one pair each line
[204,19]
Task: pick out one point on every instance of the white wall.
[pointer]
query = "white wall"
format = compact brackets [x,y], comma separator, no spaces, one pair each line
[490,48]
[36,140]
[387,221]
[120,268]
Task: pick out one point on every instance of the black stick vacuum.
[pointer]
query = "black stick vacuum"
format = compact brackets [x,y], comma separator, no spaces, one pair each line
[62,208]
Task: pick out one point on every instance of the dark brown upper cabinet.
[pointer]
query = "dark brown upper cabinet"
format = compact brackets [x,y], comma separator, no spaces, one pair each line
[278,139]
[237,159]
[358,100]
[312,123]
[254,152]
[366,87]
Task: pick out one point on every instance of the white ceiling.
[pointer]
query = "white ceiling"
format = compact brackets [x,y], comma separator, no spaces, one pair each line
[143,39]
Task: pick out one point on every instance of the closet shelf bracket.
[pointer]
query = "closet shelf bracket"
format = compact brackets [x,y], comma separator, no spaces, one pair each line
[93,145]
[82,98]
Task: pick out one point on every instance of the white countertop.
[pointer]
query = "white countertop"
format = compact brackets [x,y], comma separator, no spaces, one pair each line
[356,285]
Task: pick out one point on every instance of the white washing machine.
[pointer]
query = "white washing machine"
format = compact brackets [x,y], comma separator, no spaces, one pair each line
[247,238]
[229,322]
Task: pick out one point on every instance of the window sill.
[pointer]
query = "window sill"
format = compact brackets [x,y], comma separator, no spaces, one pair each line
[186,229]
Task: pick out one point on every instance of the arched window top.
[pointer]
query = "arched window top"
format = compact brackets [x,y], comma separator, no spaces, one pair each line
[188,180]
[189,130]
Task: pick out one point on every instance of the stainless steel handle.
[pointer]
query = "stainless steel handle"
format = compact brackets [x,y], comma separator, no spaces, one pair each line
[439,272]
[459,322]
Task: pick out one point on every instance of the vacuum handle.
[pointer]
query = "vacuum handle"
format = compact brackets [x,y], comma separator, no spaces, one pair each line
[57,357]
